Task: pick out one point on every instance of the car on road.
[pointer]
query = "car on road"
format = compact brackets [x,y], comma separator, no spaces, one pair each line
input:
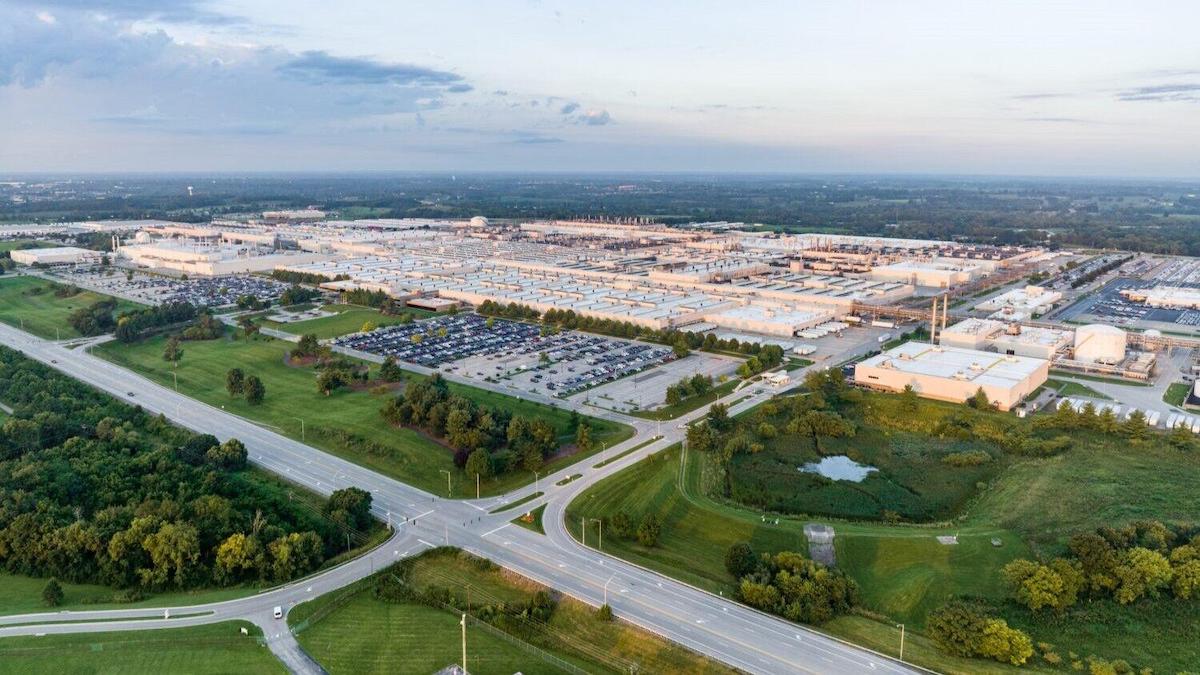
[277,612]
[129,393]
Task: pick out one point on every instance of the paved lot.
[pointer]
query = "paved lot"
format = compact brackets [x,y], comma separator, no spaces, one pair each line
[648,389]
[153,289]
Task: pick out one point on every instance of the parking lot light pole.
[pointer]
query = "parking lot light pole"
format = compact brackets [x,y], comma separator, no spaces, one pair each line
[447,482]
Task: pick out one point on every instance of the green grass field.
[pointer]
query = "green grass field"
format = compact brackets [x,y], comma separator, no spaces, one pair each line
[1065,388]
[23,595]
[366,635]
[15,244]
[203,650]
[41,313]
[1177,393]
[346,423]
[349,319]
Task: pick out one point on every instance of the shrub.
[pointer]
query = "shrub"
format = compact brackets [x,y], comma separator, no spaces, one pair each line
[967,458]
[740,559]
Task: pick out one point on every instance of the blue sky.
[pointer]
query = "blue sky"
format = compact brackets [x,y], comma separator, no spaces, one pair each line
[1044,88]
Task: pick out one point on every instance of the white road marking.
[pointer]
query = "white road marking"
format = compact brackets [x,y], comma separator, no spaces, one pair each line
[496,530]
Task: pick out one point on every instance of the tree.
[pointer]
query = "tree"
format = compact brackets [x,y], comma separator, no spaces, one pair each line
[583,437]
[740,559]
[389,371]
[230,455]
[718,417]
[1134,428]
[909,399]
[307,346]
[367,327]
[680,349]
[254,390]
[351,505]
[330,379]
[605,613]
[479,463]
[238,557]
[52,593]
[174,555]
[249,326]
[648,530]
[1004,644]
[1141,572]
[1034,585]
[173,351]
[979,400]
[235,381]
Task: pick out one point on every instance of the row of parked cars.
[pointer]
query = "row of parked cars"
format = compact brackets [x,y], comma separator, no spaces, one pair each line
[443,339]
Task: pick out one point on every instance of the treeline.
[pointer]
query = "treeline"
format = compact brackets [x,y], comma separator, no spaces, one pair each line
[768,355]
[790,585]
[296,295]
[95,319]
[135,325]
[381,301]
[487,441]
[96,491]
[290,277]
[1145,559]
[1100,271]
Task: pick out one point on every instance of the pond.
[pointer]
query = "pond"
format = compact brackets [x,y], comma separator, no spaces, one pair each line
[839,467]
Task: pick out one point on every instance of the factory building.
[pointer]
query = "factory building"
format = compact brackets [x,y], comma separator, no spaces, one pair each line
[1006,338]
[208,260]
[1170,297]
[61,255]
[768,319]
[1099,343]
[953,374]
[1021,303]
[929,274]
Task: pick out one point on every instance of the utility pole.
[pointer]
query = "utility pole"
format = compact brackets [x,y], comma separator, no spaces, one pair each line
[463,623]
[600,523]
[901,627]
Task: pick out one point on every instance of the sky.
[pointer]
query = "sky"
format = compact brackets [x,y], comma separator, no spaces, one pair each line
[1080,88]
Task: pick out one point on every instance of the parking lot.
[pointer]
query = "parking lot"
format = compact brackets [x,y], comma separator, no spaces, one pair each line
[156,290]
[444,339]
[1107,305]
[513,353]
[648,390]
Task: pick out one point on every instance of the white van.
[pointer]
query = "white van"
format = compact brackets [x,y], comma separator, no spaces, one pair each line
[278,612]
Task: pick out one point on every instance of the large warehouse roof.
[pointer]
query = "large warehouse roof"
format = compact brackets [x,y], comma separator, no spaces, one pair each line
[971,365]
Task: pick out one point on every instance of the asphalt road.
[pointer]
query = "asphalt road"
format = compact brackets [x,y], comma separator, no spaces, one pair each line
[714,626]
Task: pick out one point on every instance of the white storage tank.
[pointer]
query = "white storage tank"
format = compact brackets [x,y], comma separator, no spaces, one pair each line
[1099,343]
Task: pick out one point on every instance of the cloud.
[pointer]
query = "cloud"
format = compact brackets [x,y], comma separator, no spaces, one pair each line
[1060,120]
[320,67]
[165,11]
[595,118]
[537,140]
[1040,96]
[459,88]
[569,108]
[1162,93]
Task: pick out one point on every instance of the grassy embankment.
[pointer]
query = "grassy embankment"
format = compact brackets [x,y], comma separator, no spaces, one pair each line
[1031,506]
[358,633]
[348,319]
[1176,393]
[203,650]
[1067,388]
[30,303]
[346,423]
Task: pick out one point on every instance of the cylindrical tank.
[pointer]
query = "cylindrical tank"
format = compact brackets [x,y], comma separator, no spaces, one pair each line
[1099,343]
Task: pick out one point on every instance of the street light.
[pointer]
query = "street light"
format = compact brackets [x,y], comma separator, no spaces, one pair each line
[901,627]
[176,375]
[301,426]
[535,482]
[447,481]
[601,528]
[606,587]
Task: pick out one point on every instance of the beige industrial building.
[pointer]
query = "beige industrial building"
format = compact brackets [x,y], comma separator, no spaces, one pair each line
[1021,303]
[209,260]
[1006,338]
[953,374]
[768,319]
[60,255]
[1172,297]
[931,274]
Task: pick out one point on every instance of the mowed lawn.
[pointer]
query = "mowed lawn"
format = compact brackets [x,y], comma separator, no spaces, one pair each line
[15,244]
[201,650]
[349,319]
[23,595]
[367,635]
[41,313]
[346,423]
